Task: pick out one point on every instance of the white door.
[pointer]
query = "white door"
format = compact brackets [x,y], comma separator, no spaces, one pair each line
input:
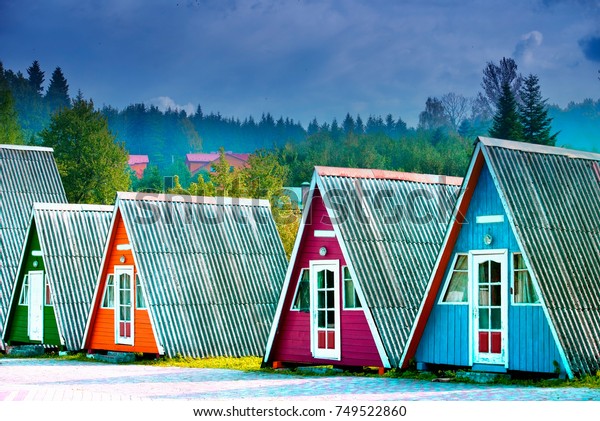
[325,309]
[36,306]
[489,283]
[124,305]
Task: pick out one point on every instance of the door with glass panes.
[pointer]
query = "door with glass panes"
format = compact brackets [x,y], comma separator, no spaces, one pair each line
[325,309]
[489,283]
[124,305]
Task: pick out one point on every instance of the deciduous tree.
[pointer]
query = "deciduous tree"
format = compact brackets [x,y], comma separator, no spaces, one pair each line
[92,164]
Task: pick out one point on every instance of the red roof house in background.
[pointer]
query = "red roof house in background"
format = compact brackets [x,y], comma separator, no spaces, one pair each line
[203,161]
[138,164]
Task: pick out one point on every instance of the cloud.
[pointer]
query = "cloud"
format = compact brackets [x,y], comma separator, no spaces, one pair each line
[528,43]
[164,103]
[590,47]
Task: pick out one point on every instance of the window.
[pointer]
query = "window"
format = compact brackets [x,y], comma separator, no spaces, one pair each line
[24,297]
[140,301]
[108,301]
[458,282]
[302,298]
[523,290]
[351,299]
[47,294]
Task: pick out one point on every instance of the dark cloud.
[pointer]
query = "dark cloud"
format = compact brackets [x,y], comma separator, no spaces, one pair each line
[590,47]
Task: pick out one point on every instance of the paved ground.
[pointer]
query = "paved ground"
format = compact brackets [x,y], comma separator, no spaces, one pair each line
[60,380]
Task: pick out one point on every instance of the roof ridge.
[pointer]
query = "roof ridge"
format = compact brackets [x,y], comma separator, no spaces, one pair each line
[378,174]
[72,207]
[26,148]
[535,148]
[193,200]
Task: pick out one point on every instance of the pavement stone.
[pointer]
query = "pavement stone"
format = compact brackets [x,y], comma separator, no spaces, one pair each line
[52,380]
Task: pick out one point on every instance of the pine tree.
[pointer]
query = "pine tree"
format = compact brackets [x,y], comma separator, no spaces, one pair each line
[10,130]
[507,122]
[57,96]
[36,77]
[534,114]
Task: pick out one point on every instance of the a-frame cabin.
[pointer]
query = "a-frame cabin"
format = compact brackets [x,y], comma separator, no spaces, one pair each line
[516,286]
[363,254]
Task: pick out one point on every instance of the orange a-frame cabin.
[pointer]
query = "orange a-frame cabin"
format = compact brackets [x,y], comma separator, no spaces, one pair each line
[187,275]
[130,329]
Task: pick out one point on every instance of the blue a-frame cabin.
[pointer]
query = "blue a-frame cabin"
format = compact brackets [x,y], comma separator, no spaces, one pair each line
[516,286]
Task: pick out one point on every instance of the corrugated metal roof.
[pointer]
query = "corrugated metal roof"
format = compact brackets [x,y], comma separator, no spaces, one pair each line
[27,175]
[392,225]
[212,269]
[72,239]
[553,197]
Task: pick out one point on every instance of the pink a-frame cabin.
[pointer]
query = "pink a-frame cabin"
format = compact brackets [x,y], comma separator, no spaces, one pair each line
[358,271]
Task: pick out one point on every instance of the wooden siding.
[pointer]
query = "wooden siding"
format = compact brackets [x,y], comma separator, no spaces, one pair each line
[292,341]
[102,327]
[17,329]
[445,340]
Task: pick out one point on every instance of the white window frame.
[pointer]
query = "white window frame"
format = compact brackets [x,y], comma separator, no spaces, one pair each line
[449,278]
[24,296]
[106,290]
[344,279]
[512,282]
[139,292]
[292,308]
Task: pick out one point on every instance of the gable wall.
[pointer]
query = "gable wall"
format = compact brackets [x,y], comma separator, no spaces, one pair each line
[531,346]
[292,341]
[101,335]
[17,329]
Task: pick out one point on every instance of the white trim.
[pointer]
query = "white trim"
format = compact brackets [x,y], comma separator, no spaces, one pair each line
[71,207]
[325,354]
[37,253]
[298,288]
[502,254]
[357,285]
[124,270]
[286,283]
[27,148]
[489,219]
[540,149]
[343,290]
[512,283]
[193,200]
[446,283]
[40,292]
[511,222]
[324,233]
[123,247]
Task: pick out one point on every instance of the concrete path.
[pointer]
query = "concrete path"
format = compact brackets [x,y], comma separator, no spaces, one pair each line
[59,380]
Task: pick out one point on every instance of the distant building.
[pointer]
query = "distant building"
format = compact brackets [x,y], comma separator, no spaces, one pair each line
[203,161]
[138,164]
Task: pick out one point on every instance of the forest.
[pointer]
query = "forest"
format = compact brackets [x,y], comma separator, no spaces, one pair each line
[441,143]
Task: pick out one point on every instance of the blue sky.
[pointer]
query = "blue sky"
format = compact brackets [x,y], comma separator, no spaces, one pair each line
[301,58]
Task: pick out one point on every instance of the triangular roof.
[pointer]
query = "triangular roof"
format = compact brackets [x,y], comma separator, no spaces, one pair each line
[551,197]
[212,269]
[28,174]
[72,239]
[390,226]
